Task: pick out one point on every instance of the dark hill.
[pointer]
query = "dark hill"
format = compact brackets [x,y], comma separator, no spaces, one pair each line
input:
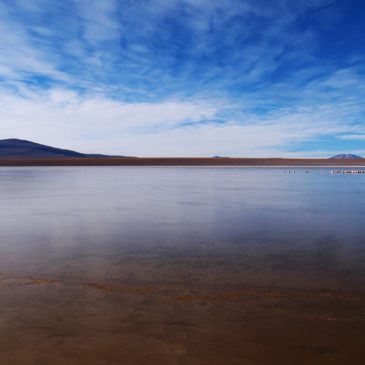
[18,148]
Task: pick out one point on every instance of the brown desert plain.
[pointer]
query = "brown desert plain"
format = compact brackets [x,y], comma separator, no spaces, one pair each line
[178,161]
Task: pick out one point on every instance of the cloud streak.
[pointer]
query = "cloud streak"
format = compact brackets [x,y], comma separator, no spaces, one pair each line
[182,77]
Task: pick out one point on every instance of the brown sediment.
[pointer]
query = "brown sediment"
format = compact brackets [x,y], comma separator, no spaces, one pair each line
[50,322]
[191,294]
[102,287]
[12,282]
[110,288]
[317,349]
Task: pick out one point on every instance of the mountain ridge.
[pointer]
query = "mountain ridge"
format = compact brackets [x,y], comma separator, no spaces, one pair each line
[14,148]
[346,156]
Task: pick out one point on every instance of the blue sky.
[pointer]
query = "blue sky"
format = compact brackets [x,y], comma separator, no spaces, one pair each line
[185,77]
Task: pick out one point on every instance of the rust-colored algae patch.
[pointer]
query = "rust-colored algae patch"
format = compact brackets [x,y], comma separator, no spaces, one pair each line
[18,282]
[138,291]
[13,282]
[228,295]
[110,288]
[97,286]
[42,282]
[185,295]
[189,294]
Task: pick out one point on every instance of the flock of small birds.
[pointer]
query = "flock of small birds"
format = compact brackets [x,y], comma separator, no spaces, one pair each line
[293,171]
[332,172]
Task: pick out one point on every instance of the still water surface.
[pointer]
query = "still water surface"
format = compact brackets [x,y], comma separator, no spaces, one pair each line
[146,265]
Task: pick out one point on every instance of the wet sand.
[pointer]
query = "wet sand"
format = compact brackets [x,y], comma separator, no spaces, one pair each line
[172,307]
[215,273]
[47,321]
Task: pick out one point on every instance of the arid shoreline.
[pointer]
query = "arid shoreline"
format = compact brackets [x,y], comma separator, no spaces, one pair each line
[178,161]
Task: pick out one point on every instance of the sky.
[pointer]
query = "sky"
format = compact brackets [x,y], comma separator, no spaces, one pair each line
[250,78]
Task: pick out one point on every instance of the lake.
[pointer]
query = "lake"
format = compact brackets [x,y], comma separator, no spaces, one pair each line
[150,265]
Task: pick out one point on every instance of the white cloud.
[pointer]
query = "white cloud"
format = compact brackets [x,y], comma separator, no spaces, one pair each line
[353,137]
[18,56]
[98,20]
[145,50]
[61,116]
[96,124]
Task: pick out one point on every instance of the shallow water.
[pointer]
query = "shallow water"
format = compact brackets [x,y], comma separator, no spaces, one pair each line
[146,265]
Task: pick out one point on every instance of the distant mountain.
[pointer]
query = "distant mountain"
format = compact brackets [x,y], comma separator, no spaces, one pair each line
[347,156]
[18,148]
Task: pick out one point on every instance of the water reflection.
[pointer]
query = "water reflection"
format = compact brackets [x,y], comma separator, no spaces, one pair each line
[152,217]
[156,254]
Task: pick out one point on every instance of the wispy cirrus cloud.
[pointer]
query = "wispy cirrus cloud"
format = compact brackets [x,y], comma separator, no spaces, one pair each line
[170,127]
[183,77]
